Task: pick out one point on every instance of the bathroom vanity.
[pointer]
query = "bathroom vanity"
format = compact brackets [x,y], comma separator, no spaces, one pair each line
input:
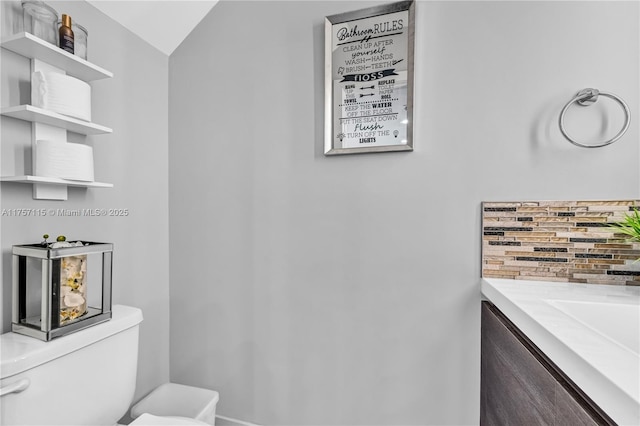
[560,353]
[520,385]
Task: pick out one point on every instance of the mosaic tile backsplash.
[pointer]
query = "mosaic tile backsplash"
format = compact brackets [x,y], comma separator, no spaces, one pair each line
[559,241]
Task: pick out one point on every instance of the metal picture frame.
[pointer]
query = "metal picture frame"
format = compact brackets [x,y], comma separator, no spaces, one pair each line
[369,80]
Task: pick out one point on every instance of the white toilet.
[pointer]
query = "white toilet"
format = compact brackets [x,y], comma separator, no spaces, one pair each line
[85,378]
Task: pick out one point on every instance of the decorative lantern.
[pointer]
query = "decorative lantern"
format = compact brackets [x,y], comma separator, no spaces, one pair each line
[60,288]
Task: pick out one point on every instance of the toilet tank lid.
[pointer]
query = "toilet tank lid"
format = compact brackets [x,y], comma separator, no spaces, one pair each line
[19,353]
[150,420]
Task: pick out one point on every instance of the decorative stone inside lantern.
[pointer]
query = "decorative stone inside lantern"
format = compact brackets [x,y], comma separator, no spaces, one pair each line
[73,290]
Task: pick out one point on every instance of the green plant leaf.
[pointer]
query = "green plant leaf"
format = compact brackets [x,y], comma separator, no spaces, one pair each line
[630,225]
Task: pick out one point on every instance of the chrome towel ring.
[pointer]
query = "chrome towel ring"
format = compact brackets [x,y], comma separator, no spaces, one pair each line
[587,97]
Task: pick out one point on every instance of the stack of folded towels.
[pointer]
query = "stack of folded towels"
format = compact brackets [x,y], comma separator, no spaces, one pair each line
[66,95]
[61,93]
[64,160]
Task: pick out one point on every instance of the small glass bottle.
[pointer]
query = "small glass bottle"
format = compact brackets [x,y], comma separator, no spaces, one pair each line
[66,39]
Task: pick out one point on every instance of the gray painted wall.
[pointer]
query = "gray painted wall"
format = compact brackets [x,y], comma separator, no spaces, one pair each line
[345,290]
[314,290]
[134,158]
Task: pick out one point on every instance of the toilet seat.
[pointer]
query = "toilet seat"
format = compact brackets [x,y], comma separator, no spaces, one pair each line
[147,419]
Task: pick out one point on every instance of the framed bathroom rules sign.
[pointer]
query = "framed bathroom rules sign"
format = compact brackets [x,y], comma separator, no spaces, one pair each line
[369,80]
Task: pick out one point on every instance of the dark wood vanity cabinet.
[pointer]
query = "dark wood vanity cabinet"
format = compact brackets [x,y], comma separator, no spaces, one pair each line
[521,386]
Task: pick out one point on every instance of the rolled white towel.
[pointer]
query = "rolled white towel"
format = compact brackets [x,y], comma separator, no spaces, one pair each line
[62,94]
[64,160]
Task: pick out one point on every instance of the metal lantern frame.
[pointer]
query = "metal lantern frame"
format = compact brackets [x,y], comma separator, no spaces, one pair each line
[50,325]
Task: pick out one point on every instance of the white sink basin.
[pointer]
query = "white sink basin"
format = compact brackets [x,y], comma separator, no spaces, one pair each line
[590,331]
[616,321]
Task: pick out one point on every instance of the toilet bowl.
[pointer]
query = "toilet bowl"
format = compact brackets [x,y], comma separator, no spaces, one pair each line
[84,378]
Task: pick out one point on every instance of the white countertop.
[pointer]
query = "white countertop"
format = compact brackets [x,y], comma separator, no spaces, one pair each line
[604,369]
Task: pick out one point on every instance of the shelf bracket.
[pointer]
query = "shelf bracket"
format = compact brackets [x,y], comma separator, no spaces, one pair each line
[41,131]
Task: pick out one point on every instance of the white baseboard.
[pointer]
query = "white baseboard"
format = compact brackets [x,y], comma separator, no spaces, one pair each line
[228,421]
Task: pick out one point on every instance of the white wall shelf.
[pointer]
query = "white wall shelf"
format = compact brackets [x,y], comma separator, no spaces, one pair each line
[49,125]
[39,115]
[54,181]
[30,46]
[51,188]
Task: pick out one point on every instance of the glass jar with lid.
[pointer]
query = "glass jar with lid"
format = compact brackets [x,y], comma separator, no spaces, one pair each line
[40,20]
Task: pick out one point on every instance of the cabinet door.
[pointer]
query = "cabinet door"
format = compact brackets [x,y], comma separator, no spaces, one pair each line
[520,386]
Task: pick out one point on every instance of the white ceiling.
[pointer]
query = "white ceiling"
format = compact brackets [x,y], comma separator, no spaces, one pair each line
[162,23]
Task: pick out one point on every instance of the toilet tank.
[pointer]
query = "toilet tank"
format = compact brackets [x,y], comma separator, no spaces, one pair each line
[85,378]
